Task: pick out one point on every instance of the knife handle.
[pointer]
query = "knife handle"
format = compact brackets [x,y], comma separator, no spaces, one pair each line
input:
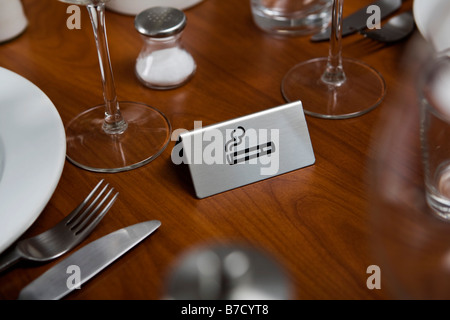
[9,258]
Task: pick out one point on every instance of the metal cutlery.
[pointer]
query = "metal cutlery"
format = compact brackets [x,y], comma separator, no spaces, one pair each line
[66,234]
[358,20]
[396,29]
[89,261]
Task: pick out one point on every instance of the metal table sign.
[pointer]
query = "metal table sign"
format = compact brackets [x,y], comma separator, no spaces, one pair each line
[244,150]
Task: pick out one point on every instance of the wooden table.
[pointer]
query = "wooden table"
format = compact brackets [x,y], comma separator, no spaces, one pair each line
[315,221]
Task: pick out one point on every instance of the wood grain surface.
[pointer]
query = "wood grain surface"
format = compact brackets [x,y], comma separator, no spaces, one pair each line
[315,221]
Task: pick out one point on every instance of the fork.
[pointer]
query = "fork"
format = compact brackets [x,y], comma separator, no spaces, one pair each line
[66,234]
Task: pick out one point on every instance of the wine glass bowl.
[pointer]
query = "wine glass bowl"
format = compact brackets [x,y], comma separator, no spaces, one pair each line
[115,136]
[334,87]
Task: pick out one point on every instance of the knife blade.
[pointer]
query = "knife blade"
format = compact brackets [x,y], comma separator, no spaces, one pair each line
[90,260]
[358,20]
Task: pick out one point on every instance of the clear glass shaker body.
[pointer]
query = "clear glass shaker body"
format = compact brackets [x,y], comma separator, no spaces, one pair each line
[163,62]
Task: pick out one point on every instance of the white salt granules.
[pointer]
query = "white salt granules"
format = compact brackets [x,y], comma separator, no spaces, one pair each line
[166,68]
[163,62]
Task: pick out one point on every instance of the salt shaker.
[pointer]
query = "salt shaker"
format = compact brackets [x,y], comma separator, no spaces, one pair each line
[163,62]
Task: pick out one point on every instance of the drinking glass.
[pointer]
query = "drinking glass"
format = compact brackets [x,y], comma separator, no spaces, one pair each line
[410,242]
[114,136]
[434,133]
[291,17]
[333,87]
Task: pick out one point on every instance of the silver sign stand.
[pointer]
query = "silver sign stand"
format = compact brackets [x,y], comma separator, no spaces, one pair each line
[241,151]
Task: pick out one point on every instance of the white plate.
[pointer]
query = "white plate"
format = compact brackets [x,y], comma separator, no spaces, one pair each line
[133,7]
[433,21]
[32,154]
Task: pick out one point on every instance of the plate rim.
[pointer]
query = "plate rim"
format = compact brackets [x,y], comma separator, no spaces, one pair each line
[53,125]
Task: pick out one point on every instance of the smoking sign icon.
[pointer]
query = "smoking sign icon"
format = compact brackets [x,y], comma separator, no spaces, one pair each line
[237,151]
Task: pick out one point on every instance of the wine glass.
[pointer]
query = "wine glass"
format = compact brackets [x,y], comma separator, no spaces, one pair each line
[114,136]
[333,87]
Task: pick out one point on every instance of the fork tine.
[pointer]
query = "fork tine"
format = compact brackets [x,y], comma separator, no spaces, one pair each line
[80,224]
[81,217]
[99,217]
[83,220]
[75,212]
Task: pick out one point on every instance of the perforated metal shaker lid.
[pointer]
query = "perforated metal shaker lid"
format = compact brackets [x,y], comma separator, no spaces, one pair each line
[160,22]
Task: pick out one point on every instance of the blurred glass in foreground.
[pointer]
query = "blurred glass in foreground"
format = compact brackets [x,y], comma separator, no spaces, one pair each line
[227,272]
[411,244]
[434,95]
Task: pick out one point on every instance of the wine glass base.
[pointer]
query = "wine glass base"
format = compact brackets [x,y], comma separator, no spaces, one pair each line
[363,89]
[91,148]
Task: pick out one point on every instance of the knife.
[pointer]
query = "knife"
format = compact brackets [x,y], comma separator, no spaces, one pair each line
[89,261]
[358,20]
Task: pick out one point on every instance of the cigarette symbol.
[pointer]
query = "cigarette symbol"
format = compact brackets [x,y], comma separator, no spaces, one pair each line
[239,156]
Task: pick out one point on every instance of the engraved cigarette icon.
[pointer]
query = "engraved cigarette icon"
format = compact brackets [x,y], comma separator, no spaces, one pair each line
[251,153]
[238,156]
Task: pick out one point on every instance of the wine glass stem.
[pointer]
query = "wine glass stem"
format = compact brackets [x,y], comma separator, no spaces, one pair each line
[334,73]
[113,122]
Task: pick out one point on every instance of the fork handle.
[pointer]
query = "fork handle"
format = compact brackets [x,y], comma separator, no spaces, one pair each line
[9,258]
